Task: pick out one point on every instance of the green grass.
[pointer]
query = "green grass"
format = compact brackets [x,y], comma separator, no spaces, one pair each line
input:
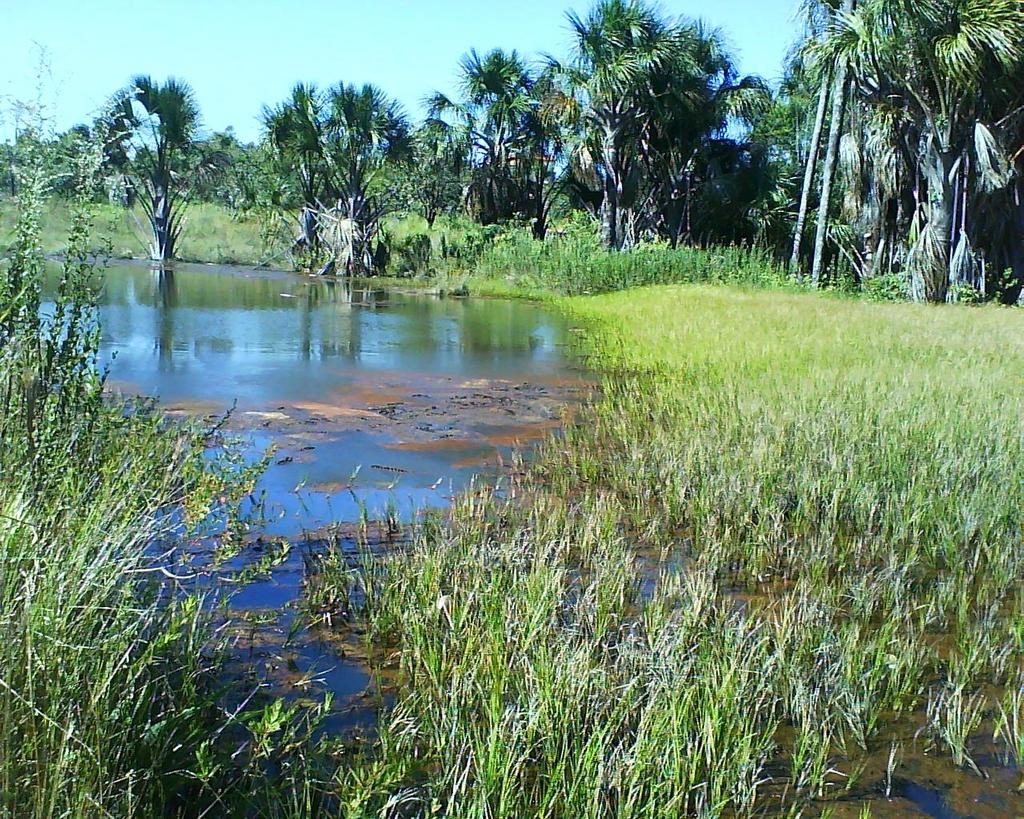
[574,264]
[785,539]
[505,261]
[776,561]
[111,700]
[212,234]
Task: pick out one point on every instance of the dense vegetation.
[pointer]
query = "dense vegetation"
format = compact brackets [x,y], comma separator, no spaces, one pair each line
[111,689]
[776,565]
[787,569]
[890,158]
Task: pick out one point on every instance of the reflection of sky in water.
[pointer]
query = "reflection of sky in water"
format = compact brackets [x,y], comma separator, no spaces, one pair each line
[270,339]
[196,334]
[339,477]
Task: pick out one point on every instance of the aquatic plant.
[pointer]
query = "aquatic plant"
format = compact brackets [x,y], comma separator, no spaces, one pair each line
[781,540]
[109,698]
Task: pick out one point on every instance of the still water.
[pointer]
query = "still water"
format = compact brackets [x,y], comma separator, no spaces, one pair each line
[369,397]
[264,338]
[370,400]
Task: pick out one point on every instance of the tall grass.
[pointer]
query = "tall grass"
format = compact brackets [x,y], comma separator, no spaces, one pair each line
[212,233]
[507,260]
[109,697]
[533,685]
[575,264]
[785,539]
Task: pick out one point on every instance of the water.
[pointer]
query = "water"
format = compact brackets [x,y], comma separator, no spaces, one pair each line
[265,339]
[370,399]
[410,393]
[384,399]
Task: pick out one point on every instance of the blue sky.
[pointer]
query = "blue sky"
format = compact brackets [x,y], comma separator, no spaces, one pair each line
[240,55]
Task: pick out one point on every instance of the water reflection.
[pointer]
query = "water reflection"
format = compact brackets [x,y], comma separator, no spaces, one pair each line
[168,301]
[261,338]
[375,402]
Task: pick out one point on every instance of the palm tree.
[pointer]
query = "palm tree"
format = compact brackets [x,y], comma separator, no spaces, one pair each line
[294,131]
[540,162]
[341,147]
[688,145]
[155,126]
[945,73]
[510,119]
[999,219]
[810,168]
[618,48]
[365,135]
[839,91]
[492,117]
[440,160]
[825,79]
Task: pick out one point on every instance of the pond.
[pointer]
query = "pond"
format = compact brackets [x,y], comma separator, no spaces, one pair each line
[371,401]
[411,393]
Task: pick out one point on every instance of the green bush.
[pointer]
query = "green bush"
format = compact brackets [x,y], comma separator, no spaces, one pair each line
[411,255]
[574,263]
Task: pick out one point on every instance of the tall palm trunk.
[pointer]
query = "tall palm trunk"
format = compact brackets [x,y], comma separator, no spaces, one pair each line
[941,216]
[161,221]
[616,214]
[308,236]
[610,237]
[809,171]
[1016,256]
[835,132]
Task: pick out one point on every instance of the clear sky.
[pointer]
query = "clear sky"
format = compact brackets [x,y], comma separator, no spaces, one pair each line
[241,54]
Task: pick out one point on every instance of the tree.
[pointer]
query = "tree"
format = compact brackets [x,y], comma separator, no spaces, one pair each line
[491,119]
[155,126]
[810,167]
[510,119]
[540,163]
[689,146]
[945,77]
[839,90]
[342,147]
[658,113]
[228,161]
[618,48]
[440,160]
[366,135]
[294,131]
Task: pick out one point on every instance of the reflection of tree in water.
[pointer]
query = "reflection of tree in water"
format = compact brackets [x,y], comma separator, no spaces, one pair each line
[166,303]
[420,329]
[496,326]
[333,341]
[482,328]
[337,319]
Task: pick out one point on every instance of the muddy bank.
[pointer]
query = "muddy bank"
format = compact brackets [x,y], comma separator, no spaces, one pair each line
[403,431]
[374,404]
[406,442]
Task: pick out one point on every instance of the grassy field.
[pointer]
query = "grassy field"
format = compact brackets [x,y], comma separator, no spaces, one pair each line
[776,567]
[212,234]
[111,695]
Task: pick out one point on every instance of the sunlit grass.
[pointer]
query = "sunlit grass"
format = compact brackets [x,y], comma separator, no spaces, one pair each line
[787,535]
[212,234]
[110,697]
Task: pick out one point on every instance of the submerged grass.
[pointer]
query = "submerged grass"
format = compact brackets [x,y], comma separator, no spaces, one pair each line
[778,557]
